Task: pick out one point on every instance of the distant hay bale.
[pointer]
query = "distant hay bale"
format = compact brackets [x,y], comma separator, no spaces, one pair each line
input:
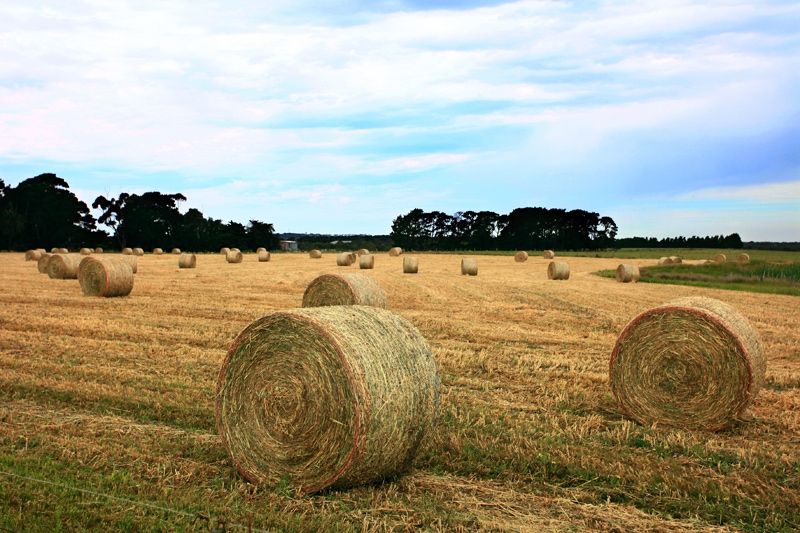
[549,254]
[395,251]
[261,249]
[158,251]
[42,263]
[33,255]
[98,250]
[64,266]
[720,258]
[176,251]
[187,261]
[326,397]
[263,256]
[107,277]
[675,260]
[665,261]
[234,256]
[410,265]
[344,289]
[362,251]
[521,257]
[235,250]
[54,250]
[138,251]
[345,259]
[469,266]
[41,250]
[558,270]
[315,254]
[366,261]
[744,259]
[85,251]
[224,250]
[692,363]
[63,251]
[127,251]
[627,273]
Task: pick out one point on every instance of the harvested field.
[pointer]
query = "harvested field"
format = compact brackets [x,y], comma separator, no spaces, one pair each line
[116,396]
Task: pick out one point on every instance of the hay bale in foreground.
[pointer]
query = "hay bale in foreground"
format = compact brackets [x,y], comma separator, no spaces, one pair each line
[693,363]
[352,391]
[107,277]
[676,260]
[42,263]
[345,259]
[263,256]
[521,257]
[558,270]
[315,254]
[33,255]
[720,258]
[366,261]
[410,265]
[176,251]
[234,256]
[138,251]
[85,251]
[549,254]
[187,261]
[469,266]
[344,289]
[744,259]
[362,251]
[158,251]
[395,251]
[127,251]
[627,273]
[63,266]
[224,250]
[98,250]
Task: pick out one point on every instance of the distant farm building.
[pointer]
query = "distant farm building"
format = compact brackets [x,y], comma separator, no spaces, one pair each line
[289,246]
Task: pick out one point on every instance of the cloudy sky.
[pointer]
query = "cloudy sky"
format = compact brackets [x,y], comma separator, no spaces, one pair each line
[672,117]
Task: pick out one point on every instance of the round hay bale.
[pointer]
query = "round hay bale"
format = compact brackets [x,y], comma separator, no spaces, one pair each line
[558,270]
[42,263]
[326,397]
[315,254]
[41,250]
[85,251]
[395,251]
[63,251]
[98,250]
[224,250]
[176,251]
[261,249]
[63,266]
[521,257]
[362,251]
[263,256]
[665,261]
[234,256]
[676,260]
[158,251]
[549,254]
[132,260]
[693,363]
[469,266]
[138,251]
[187,261]
[105,277]
[127,251]
[410,265]
[344,289]
[54,250]
[345,259]
[235,250]
[720,258]
[33,255]
[366,261]
[744,259]
[627,273]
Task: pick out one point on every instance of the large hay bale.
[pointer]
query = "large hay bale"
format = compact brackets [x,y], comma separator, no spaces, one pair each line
[234,256]
[98,250]
[33,255]
[521,257]
[64,266]
[345,259]
[138,251]
[627,273]
[344,289]
[744,259]
[42,263]
[549,254]
[558,270]
[85,251]
[107,277]
[158,251]
[676,259]
[665,261]
[132,260]
[395,251]
[263,256]
[127,251]
[187,261]
[224,250]
[176,251]
[720,258]
[693,363]
[366,261]
[326,397]
[315,254]
[261,249]
[362,251]
[469,266]
[410,265]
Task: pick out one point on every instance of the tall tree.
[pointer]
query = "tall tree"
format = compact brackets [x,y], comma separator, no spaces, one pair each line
[147,220]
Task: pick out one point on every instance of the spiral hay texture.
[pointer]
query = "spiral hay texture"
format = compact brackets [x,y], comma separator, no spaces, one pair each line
[692,363]
[345,259]
[344,289]
[234,256]
[627,273]
[521,257]
[549,254]
[326,397]
[558,270]
[138,251]
[720,258]
[469,267]
[744,259]
[33,255]
[63,266]
[395,251]
[263,256]
[187,261]
[158,251]
[366,261]
[315,254]
[42,263]
[85,251]
[105,277]
[410,265]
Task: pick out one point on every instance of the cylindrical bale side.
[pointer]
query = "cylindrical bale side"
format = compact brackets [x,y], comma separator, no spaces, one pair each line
[42,263]
[326,397]
[176,251]
[410,265]
[344,259]
[395,251]
[187,261]
[224,250]
[366,262]
[469,267]
[33,255]
[521,257]
[720,258]
[234,256]
[138,251]
[158,251]
[627,273]
[558,270]
[549,254]
[64,266]
[344,289]
[85,251]
[315,254]
[127,251]
[744,259]
[132,260]
[107,277]
[263,256]
[692,363]
[362,251]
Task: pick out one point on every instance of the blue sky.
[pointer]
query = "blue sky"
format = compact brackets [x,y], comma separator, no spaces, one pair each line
[673,117]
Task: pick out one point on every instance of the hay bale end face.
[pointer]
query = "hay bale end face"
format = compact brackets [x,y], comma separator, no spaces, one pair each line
[352,391]
[558,270]
[158,251]
[315,254]
[395,251]
[107,277]
[176,251]
[521,257]
[548,254]
[234,256]
[469,267]
[693,363]
[187,261]
[224,251]
[627,273]
[64,266]
[366,261]
[344,289]
[720,258]
[345,259]
[263,256]
[410,265]
[33,255]
[42,263]
[138,251]
[744,259]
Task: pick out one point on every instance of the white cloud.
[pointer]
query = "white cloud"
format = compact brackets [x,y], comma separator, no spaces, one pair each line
[787,192]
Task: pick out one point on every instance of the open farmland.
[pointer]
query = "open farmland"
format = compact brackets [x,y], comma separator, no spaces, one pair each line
[111,402]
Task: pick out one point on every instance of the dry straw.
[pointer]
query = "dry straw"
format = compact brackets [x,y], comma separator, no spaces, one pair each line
[665,261]
[106,277]
[261,249]
[133,261]
[558,270]
[362,251]
[33,255]
[675,260]
[469,266]
[42,263]
[692,363]
[395,251]
[98,250]
[744,259]
[138,251]
[344,289]
[235,250]
[63,251]
[521,257]
[720,258]
[345,259]
[224,250]
[326,397]
[263,256]
[86,251]
[158,251]
[234,256]
[549,254]
[366,261]
[64,266]
[627,273]
[410,265]
[176,251]
[187,261]
[127,251]
[315,254]
[54,250]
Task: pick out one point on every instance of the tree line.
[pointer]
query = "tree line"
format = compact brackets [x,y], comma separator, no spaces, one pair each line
[716,241]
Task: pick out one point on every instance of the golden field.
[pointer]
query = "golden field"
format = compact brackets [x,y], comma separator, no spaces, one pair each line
[107,411]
